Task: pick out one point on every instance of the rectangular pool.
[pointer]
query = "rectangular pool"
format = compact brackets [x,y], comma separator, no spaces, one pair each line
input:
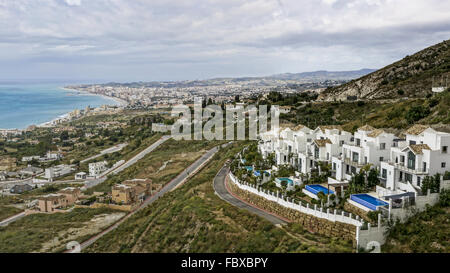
[368,201]
[318,188]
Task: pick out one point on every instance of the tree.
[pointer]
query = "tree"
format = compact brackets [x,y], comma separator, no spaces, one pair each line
[417,113]
[372,179]
[64,135]
[431,183]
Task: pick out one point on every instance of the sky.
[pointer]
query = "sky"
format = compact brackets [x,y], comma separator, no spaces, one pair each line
[147,40]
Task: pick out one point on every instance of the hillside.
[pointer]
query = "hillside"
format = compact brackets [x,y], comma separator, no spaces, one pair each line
[412,76]
[426,232]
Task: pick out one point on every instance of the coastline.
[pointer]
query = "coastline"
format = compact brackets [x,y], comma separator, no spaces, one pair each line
[121,103]
[118,102]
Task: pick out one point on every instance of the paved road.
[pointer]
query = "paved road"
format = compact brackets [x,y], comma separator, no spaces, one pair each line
[188,172]
[222,191]
[12,219]
[110,150]
[141,155]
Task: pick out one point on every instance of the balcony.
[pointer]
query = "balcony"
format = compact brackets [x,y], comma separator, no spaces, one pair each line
[350,162]
[403,168]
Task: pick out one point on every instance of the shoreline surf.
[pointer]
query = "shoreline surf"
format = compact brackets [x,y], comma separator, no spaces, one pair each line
[111,101]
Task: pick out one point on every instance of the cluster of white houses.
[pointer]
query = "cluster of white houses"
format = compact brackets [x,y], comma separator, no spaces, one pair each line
[402,162]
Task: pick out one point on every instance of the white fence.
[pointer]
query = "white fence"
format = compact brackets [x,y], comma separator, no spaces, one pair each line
[332,216]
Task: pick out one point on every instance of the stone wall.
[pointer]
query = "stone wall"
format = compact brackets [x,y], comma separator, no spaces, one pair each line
[309,222]
[357,211]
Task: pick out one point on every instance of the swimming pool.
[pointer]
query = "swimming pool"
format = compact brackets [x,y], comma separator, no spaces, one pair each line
[318,188]
[288,180]
[368,201]
[249,168]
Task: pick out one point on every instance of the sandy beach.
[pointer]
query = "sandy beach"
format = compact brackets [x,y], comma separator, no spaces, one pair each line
[120,101]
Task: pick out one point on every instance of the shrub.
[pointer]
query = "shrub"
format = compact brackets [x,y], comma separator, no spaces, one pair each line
[444,198]
[417,113]
[373,216]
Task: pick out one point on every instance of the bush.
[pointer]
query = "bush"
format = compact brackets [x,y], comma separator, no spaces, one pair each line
[417,113]
[373,216]
[444,198]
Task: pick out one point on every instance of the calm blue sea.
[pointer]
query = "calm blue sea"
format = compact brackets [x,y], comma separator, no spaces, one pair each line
[22,105]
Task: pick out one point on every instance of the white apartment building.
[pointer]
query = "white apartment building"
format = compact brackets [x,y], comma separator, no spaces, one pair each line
[423,152]
[327,142]
[367,146]
[97,168]
[57,171]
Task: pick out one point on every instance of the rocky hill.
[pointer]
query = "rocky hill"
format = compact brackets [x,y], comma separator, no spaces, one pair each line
[410,77]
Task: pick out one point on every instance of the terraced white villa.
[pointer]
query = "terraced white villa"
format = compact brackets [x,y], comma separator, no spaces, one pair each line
[401,161]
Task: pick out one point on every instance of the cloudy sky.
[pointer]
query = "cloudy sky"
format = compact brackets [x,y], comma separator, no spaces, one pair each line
[129,40]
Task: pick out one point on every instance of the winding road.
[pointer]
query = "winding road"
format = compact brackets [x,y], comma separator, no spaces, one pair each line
[223,192]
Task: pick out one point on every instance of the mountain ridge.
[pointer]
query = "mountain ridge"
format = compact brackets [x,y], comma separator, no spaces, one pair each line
[412,76]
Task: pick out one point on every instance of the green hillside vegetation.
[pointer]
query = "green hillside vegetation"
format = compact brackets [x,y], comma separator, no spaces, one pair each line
[31,232]
[194,219]
[351,115]
[426,232]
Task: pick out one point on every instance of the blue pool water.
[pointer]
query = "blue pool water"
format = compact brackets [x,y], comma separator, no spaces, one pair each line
[318,188]
[368,201]
[288,180]
[249,168]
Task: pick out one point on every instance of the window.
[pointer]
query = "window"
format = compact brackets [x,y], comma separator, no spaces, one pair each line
[412,142]
[444,149]
[408,177]
[443,164]
[402,159]
[384,173]
[418,181]
[355,157]
[347,169]
[358,142]
[353,170]
[334,166]
[342,143]
[396,159]
[424,167]
[365,160]
[400,178]
[382,146]
[328,156]
[411,160]
[381,159]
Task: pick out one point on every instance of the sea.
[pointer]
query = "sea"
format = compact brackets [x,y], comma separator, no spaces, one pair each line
[25,104]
